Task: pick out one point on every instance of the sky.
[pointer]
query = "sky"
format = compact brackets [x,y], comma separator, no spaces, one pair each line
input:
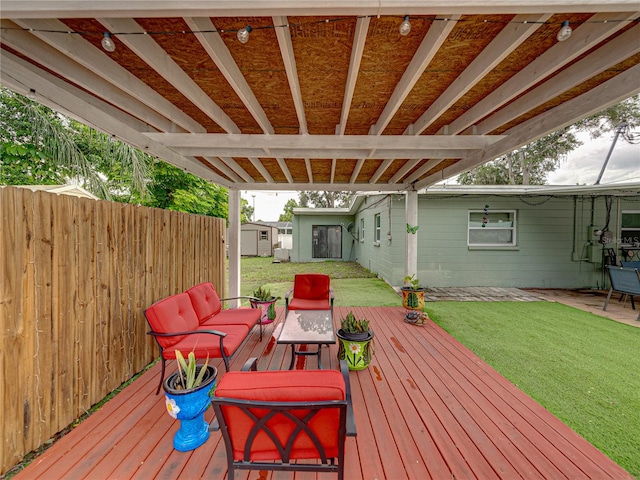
[582,166]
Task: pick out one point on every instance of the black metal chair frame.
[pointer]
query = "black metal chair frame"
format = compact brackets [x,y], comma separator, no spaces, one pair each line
[347,428]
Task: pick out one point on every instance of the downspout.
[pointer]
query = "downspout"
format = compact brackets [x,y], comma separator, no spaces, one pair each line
[574,254]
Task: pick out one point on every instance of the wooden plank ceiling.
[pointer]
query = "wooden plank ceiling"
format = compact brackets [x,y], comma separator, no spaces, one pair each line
[324,95]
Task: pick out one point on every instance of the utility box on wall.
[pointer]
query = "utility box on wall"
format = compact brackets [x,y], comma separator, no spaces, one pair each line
[594,253]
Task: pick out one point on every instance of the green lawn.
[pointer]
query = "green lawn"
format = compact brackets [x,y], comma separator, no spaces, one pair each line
[583,368]
[352,284]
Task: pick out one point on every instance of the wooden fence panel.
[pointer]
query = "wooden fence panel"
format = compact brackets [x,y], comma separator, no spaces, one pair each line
[76,277]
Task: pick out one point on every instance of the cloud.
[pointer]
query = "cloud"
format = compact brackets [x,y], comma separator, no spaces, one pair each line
[583,165]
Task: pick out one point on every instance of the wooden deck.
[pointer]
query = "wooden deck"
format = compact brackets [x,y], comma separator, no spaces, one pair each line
[425,408]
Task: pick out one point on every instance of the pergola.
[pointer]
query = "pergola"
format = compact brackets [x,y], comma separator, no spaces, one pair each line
[323,95]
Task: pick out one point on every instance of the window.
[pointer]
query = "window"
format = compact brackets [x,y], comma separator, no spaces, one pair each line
[630,228]
[495,228]
[264,235]
[362,229]
[376,229]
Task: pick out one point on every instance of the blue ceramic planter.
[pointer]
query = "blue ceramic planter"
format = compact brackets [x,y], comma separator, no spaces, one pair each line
[189,406]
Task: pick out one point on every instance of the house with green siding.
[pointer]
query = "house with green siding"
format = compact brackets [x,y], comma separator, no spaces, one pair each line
[492,236]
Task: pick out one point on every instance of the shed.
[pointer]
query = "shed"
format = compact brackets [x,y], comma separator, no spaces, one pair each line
[258,240]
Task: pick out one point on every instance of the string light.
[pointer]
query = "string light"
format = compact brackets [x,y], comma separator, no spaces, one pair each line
[564,32]
[32,94]
[107,43]
[405,26]
[243,34]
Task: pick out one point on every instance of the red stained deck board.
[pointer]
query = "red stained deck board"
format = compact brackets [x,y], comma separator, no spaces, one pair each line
[425,408]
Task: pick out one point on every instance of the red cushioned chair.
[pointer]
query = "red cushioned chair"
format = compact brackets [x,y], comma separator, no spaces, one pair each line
[311,291]
[285,419]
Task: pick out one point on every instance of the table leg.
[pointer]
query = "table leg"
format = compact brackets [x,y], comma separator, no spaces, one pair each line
[293,356]
[319,356]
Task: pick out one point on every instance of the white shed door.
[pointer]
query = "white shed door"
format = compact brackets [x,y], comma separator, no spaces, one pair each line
[249,243]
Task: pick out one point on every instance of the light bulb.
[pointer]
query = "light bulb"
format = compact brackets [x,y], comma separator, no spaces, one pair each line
[405,26]
[107,43]
[564,32]
[32,94]
[243,34]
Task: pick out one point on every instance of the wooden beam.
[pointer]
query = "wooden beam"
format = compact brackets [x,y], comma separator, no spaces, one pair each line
[307,163]
[237,169]
[16,83]
[260,167]
[583,39]
[359,39]
[114,78]
[611,92]
[219,53]
[325,142]
[286,49]
[381,169]
[509,38]
[153,55]
[433,40]
[17,71]
[285,169]
[356,170]
[202,8]
[617,50]
[428,165]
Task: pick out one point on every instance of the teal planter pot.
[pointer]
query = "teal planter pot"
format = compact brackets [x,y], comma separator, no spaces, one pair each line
[189,406]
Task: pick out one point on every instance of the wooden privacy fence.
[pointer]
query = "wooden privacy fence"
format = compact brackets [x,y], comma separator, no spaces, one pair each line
[76,275]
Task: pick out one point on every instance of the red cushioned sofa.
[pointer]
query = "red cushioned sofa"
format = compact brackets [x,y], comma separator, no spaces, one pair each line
[195,321]
[285,419]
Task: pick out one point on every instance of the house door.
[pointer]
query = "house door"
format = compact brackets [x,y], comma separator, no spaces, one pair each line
[327,241]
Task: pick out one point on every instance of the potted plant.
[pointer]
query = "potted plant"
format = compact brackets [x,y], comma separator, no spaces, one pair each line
[412,293]
[355,342]
[263,299]
[187,398]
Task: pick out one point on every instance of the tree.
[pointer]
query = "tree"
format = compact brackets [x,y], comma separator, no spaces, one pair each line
[530,164]
[325,199]
[246,211]
[40,145]
[287,215]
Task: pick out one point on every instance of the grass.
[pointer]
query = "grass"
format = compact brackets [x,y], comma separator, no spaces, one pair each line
[581,367]
[352,284]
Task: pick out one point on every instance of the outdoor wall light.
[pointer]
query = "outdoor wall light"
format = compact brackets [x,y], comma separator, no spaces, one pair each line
[107,43]
[32,94]
[243,34]
[564,32]
[405,26]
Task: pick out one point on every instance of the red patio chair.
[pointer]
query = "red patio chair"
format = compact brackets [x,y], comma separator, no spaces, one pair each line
[311,291]
[291,420]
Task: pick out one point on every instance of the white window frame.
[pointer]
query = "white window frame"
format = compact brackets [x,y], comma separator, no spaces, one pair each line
[636,231]
[477,225]
[362,229]
[376,228]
